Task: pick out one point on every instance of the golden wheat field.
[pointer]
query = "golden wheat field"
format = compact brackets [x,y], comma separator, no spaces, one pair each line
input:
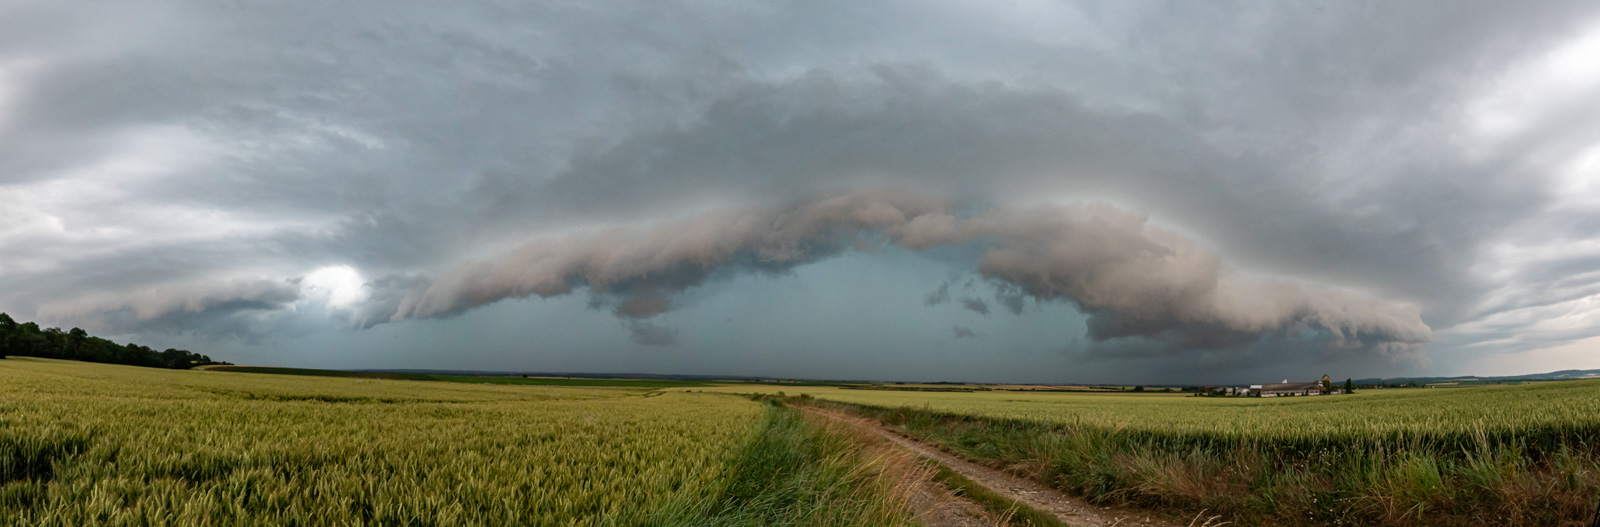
[88,444]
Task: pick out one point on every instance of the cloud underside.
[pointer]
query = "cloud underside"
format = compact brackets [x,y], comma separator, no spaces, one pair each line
[1134,280]
[220,306]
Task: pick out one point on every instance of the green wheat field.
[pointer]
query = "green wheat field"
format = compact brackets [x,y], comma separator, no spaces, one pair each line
[1485,455]
[97,444]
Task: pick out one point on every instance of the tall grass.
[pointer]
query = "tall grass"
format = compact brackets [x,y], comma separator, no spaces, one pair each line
[802,473]
[1469,476]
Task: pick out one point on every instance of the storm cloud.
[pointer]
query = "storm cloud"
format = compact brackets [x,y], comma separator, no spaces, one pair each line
[1133,280]
[1174,189]
[172,305]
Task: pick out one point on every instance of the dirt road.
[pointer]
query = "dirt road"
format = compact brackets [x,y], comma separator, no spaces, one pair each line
[1070,510]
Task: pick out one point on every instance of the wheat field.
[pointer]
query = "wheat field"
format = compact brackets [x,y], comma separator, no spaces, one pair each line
[93,444]
[1493,455]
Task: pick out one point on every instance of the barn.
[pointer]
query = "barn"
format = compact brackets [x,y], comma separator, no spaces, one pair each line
[1286,388]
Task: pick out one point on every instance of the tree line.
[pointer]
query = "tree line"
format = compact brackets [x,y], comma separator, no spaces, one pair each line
[27,339]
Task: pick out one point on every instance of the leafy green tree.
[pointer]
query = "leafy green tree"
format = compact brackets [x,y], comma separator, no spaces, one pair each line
[77,339]
[33,341]
[1349,387]
[8,327]
[76,344]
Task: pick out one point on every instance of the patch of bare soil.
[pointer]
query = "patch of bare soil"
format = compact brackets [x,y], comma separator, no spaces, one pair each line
[1070,510]
[937,506]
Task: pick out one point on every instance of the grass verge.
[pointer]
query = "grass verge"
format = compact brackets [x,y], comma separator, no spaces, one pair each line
[1013,511]
[799,472]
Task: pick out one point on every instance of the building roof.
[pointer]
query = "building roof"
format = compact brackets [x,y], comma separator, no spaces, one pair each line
[1291,386]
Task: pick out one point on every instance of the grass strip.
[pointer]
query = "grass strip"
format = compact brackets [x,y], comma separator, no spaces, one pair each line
[797,473]
[1015,512]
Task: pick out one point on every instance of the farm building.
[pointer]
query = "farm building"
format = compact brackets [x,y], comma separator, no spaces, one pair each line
[1286,388]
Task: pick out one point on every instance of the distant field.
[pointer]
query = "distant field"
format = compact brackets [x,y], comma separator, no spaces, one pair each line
[1491,455]
[566,381]
[474,379]
[1571,405]
[94,444]
[320,373]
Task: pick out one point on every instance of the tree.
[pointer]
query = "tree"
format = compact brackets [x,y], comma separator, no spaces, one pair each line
[31,341]
[76,337]
[27,339]
[1349,387]
[8,328]
[1327,384]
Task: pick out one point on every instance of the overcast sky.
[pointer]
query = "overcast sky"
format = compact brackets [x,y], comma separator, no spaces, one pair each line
[986,191]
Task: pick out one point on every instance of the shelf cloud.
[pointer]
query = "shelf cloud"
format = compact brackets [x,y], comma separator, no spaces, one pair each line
[1133,279]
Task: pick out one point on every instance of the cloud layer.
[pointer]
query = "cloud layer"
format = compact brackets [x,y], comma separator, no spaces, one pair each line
[1134,280]
[1217,183]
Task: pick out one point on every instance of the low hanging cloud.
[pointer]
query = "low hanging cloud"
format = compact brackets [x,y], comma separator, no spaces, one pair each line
[645,333]
[1134,280]
[640,267]
[152,306]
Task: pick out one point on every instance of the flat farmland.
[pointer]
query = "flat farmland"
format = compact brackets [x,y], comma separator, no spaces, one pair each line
[92,444]
[1517,409]
[1504,455]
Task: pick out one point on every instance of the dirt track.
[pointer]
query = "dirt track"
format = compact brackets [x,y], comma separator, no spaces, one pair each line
[1068,509]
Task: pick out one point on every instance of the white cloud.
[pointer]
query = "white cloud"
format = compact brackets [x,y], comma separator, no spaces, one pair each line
[1539,90]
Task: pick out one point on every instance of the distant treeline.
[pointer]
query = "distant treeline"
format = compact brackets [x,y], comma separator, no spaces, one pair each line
[26,339]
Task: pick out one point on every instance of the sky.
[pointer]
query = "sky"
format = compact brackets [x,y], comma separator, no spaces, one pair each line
[1015,191]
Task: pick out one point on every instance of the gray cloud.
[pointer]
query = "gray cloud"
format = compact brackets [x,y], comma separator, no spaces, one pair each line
[644,304]
[1420,153]
[384,296]
[939,296]
[640,266]
[647,334]
[963,333]
[975,305]
[1011,297]
[173,303]
[1133,280]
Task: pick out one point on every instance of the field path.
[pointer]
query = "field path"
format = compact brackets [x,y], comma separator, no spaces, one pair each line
[1070,510]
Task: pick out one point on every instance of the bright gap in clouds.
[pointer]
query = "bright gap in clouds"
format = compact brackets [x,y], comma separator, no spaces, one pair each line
[1538,91]
[340,284]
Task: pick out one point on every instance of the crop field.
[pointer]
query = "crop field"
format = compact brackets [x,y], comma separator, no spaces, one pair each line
[93,444]
[1504,410]
[1504,455]
[567,381]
